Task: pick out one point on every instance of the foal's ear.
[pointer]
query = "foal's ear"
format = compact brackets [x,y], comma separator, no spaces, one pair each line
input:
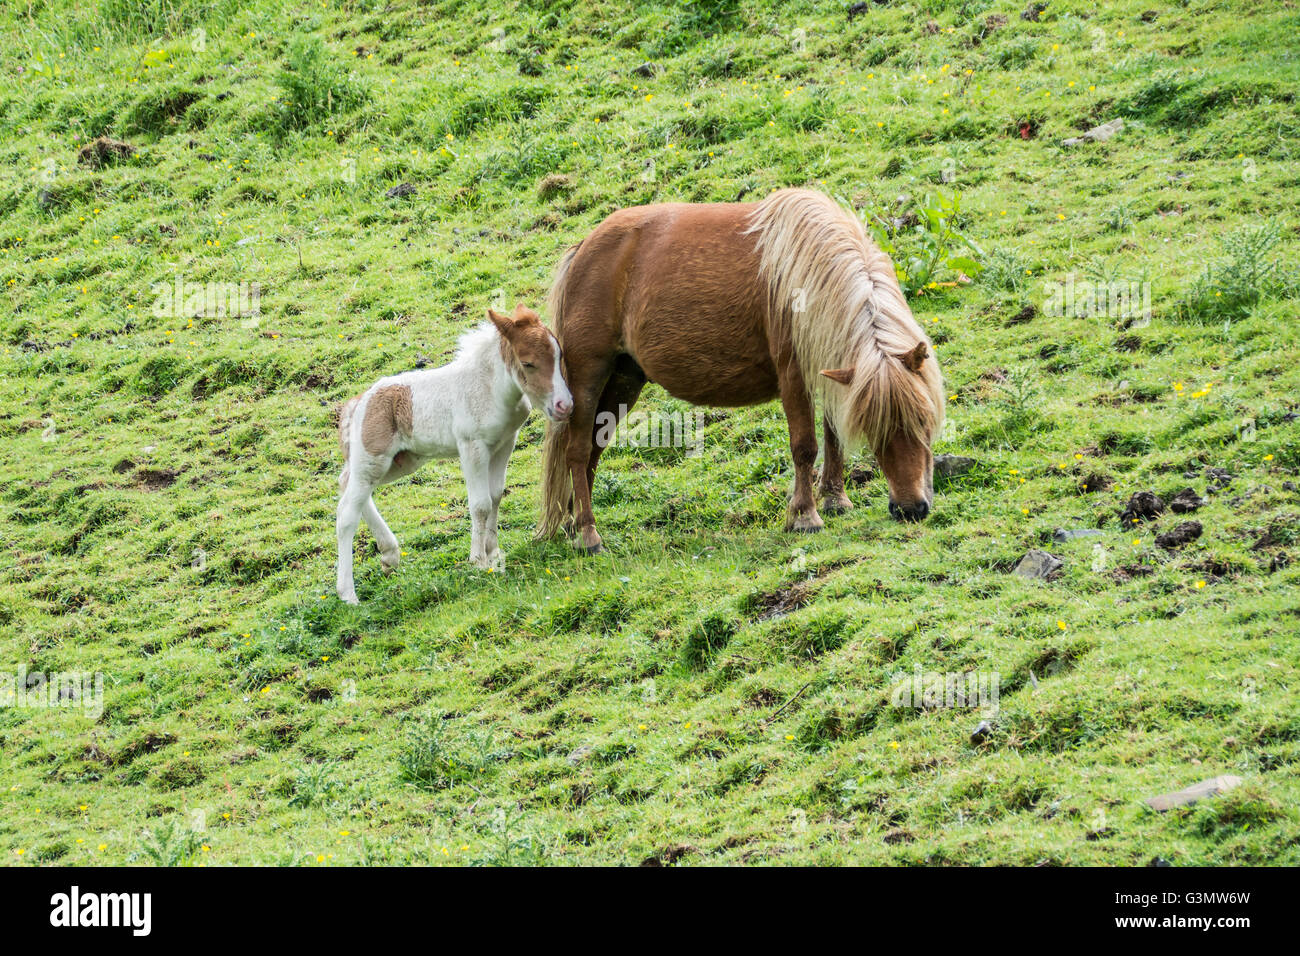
[842,375]
[503,323]
[525,316]
[915,358]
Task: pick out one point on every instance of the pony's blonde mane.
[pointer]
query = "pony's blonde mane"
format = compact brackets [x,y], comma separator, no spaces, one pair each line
[837,295]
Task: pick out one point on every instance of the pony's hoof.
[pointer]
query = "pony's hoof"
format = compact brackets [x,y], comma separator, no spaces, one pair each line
[804,523]
[596,548]
[349,599]
[836,504]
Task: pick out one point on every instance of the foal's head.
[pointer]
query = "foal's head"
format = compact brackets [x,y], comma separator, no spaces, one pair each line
[532,354]
[897,406]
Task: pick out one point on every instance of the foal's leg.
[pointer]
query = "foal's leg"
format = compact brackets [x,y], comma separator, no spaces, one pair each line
[475,462]
[802,514]
[496,487]
[831,486]
[351,503]
[390,552]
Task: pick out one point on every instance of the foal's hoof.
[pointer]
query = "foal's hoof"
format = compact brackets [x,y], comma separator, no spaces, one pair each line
[804,523]
[836,504]
[596,548]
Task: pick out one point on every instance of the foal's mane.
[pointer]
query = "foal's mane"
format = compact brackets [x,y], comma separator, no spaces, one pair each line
[837,295]
[474,342]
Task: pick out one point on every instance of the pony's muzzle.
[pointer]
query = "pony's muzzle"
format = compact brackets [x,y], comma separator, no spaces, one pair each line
[559,410]
[913,512]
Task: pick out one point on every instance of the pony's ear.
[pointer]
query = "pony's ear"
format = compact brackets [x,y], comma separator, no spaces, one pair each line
[503,323]
[842,375]
[915,358]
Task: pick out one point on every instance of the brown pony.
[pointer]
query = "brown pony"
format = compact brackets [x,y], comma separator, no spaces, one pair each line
[732,304]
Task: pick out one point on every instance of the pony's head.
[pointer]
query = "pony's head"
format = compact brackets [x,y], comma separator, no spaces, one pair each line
[894,403]
[532,354]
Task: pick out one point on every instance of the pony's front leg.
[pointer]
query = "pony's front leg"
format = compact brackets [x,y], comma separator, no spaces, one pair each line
[802,514]
[831,486]
[475,462]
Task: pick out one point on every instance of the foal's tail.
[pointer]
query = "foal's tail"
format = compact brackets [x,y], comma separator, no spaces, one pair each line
[557,483]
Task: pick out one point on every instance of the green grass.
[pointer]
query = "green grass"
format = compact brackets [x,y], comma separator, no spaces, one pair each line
[712,690]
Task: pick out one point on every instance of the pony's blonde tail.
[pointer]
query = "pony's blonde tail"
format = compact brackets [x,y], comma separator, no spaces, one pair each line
[557,483]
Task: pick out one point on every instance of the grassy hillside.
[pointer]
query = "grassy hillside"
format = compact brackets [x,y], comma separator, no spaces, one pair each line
[711,690]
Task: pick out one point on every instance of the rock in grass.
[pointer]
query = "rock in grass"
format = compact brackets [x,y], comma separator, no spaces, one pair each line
[898,834]
[580,754]
[1062,535]
[1217,479]
[1185,533]
[400,191]
[647,70]
[1185,501]
[1038,564]
[1098,134]
[552,184]
[1033,11]
[104,151]
[950,466]
[1189,795]
[1143,506]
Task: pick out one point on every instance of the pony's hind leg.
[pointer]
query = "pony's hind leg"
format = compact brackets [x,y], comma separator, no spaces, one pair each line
[831,486]
[620,394]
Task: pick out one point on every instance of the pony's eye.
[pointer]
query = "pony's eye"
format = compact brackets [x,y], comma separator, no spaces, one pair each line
[529,365]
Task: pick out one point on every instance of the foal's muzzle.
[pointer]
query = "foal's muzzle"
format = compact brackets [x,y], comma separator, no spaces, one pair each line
[916,512]
[559,410]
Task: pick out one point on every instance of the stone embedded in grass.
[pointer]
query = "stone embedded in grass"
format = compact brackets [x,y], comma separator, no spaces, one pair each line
[898,835]
[858,477]
[1032,12]
[1143,506]
[1098,134]
[580,754]
[104,151]
[950,466]
[1189,795]
[1038,564]
[1185,533]
[1062,535]
[553,184]
[1185,501]
[1218,479]
[400,191]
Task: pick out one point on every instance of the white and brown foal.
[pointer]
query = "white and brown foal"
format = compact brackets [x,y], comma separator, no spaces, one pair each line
[472,408]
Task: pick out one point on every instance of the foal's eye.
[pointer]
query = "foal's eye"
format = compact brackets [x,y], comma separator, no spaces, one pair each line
[529,365]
